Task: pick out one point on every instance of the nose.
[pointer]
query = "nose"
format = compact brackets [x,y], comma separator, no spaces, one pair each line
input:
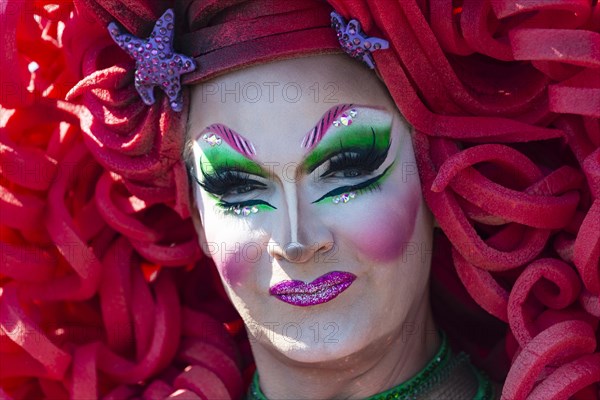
[299,253]
[299,235]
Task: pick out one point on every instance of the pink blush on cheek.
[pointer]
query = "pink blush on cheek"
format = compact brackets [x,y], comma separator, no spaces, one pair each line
[386,235]
[235,266]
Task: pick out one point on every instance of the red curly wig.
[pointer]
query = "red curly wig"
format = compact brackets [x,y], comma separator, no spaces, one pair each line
[104,291]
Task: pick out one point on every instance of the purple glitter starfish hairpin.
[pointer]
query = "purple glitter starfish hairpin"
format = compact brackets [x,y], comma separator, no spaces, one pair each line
[156,63]
[355,42]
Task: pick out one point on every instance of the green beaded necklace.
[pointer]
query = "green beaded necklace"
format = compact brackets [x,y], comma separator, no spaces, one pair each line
[438,368]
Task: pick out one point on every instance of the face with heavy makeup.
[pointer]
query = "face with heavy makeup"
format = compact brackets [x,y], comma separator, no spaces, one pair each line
[309,202]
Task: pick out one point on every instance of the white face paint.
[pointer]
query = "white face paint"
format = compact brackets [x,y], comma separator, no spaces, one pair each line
[293,192]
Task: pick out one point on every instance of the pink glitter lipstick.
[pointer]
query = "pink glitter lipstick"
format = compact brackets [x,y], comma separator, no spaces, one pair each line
[321,290]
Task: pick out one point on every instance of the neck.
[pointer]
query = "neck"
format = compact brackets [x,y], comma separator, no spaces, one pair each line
[380,366]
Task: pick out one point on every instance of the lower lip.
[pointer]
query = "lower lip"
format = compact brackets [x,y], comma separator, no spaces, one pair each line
[323,289]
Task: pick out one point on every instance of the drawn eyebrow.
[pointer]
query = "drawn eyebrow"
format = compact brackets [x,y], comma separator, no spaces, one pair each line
[231,137]
[246,148]
[316,134]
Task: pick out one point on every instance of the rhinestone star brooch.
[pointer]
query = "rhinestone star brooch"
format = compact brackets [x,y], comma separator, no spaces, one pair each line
[354,41]
[156,63]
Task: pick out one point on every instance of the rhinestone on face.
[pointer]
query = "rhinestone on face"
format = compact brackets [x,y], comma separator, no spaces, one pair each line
[344,197]
[212,139]
[244,211]
[346,120]
[348,196]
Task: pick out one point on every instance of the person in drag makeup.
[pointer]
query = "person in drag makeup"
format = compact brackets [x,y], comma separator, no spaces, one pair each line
[279,215]
[300,200]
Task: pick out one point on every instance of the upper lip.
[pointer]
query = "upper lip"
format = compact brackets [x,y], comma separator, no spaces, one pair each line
[324,281]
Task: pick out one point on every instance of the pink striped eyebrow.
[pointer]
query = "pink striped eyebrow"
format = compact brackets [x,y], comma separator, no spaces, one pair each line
[313,137]
[232,138]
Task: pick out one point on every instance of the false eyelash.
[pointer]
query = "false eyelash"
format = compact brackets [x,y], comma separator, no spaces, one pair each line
[367,160]
[220,183]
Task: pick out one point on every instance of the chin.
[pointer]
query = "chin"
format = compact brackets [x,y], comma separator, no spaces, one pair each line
[314,353]
[331,344]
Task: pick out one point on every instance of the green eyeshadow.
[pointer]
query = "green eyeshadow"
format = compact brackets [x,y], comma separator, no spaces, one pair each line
[225,158]
[355,136]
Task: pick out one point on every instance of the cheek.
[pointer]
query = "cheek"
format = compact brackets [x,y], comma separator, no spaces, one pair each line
[231,251]
[235,262]
[386,234]
[234,255]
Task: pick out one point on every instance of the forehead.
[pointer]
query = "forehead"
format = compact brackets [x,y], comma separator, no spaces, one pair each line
[274,105]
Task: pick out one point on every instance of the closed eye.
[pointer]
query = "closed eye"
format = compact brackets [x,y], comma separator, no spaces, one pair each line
[367,185]
[227,182]
[356,162]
